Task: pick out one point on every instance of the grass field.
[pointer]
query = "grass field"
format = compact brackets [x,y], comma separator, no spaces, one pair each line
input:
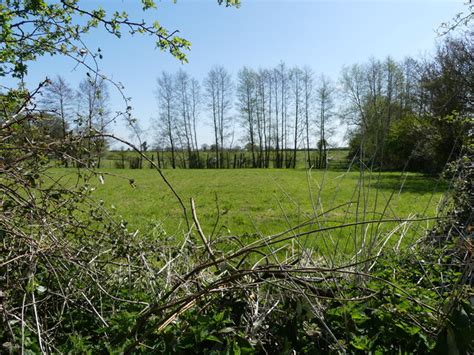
[247,201]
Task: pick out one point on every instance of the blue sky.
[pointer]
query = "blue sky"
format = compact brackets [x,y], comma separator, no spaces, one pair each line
[325,35]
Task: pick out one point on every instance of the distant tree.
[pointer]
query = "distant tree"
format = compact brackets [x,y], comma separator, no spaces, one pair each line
[354,89]
[325,102]
[195,108]
[275,85]
[411,95]
[218,86]
[386,102]
[449,81]
[368,93]
[449,77]
[296,82]
[281,100]
[183,107]
[59,100]
[93,116]
[167,126]
[188,101]
[265,90]
[247,105]
[137,134]
[260,116]
[308,105]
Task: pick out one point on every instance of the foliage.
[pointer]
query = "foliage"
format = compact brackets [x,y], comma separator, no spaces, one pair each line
[60,31]
[412,115]
[394,308]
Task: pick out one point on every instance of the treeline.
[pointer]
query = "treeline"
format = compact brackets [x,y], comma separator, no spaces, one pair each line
[416,114]
[413,114]
[70,121]
[231,159]
[276,115]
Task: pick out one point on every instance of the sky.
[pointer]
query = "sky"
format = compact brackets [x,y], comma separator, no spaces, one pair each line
[325,35]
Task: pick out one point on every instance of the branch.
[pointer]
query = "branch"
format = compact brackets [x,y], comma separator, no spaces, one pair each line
[200,232]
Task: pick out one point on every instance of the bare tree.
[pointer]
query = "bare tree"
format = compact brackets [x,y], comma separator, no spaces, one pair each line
[354,109]
[267,78]
[137,134]
[195,106]
[167,119]
[94,115]
[182,88]
[281,112]
[59,100]
[308,103]
[325,101]
[276,133]
[296,76]
[262,95]
[246,101]
[218,86]
[409,98]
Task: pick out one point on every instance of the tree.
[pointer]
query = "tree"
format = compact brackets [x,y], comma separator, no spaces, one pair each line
[59,100]
[371,93]
[274,93]
[136,136]
[195,108]
[167,117]
[448,80]
[385,102]
[281,113]
[265,89]
[218,86]
[296,80]
[94,116]
[411,96]
[260,115]
[308,103]
[187,92]
[182,83]
[247,105]
[325,103]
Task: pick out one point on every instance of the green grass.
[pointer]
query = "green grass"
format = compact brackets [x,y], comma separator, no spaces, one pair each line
[263,201]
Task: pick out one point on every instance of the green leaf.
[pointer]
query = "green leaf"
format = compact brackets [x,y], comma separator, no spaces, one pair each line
[213,338]
[360,343]
[227,330]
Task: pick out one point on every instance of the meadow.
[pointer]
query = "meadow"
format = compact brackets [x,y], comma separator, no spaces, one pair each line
[266,201]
